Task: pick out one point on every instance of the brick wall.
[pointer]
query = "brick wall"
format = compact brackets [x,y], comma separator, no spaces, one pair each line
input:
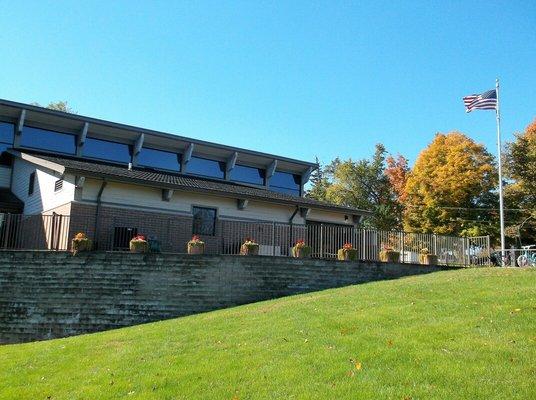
[53,294]
[174,231]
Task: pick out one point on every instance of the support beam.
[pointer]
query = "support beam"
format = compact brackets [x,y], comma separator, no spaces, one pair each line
[82,139]
[270,170]
[137,148]
[304,178]
[139,144]
[304,212]
[79,181]
[167,194]
[242,204]
[20,126]
[306,175]
[230,164]
[186,157]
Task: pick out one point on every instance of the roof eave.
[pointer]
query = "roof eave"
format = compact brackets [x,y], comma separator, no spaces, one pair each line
[138,130]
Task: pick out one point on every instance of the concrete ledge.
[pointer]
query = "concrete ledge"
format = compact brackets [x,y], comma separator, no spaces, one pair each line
[53,294]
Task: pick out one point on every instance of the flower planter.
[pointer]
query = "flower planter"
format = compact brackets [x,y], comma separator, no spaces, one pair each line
[428,259]
[301,252]
[347,255]
[139,246]
[390,256]
[196,248]
[251,249]
[80,245]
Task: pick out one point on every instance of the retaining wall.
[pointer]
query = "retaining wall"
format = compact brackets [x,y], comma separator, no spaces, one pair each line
[53,294]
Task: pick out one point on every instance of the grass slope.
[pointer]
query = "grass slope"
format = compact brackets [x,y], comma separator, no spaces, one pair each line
[468,334]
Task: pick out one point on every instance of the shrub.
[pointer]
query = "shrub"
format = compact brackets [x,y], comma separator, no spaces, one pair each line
[300,250]
[138,244]
[249,248]
[196,245]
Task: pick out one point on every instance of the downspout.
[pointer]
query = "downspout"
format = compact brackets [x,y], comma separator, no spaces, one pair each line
[290,223]
[97,213]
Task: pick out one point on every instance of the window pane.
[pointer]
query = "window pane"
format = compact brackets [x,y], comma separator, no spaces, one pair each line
[205,167]
[204,221]
[285,182]
[159,159]
[285,179]
[6,132]
[106,150]
[36,138]
[242,173]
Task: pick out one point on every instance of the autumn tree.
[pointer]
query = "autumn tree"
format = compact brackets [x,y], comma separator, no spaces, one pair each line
[363,184]
[451,188]
[397,172]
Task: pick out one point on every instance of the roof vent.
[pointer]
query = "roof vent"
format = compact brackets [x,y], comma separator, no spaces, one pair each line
[130,166]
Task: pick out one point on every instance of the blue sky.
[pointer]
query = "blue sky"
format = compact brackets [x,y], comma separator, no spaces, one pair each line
[298,79]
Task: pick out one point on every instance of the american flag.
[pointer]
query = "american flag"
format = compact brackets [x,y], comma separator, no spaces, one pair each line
[484,101]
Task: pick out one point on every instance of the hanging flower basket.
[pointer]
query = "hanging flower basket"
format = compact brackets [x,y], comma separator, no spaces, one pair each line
[425,258]
[347,253]
[387,254]
[196,245]
[81,243]
[138,244]
[300,250]
[249,248]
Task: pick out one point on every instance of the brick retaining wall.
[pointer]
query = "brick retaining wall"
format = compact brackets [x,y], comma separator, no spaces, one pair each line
[53,294]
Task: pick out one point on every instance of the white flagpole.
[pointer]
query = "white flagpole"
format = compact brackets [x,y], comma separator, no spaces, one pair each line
[501,205]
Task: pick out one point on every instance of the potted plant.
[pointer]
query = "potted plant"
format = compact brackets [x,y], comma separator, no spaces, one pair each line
[196,245]
[249,248]
[138,244]
[347,253]
[300,250]
[426,258]
[388,254]
[80,243]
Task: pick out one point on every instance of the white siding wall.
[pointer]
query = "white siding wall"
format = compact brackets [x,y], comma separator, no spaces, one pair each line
[43,198]
[330,217]
[5,176]
[140,196]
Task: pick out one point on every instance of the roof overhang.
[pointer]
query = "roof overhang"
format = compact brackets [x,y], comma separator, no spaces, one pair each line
[74,123]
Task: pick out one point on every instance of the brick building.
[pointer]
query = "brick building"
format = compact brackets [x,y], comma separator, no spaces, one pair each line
[112,181]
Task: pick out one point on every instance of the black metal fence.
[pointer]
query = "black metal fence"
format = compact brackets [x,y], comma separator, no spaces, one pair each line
[171,233]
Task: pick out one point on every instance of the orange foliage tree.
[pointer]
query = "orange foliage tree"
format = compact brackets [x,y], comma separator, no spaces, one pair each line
[452,180]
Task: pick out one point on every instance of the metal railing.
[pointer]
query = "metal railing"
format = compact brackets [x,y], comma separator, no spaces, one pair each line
[524,257]
[113,233]
[36,232]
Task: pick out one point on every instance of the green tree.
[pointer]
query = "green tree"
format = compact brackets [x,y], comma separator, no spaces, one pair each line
[58,106]
[319,183]
[363,184]
[451,188]
[520,192]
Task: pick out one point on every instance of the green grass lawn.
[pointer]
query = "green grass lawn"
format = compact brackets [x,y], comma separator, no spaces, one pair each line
[467,334]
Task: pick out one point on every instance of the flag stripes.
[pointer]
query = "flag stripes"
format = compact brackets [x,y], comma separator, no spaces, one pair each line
[484,101]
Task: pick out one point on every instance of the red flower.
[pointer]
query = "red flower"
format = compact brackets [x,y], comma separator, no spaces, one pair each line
[138,237]
[196,238]
[347,246]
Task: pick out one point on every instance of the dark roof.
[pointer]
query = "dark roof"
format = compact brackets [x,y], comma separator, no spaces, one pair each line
[9,203]
[90,168]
